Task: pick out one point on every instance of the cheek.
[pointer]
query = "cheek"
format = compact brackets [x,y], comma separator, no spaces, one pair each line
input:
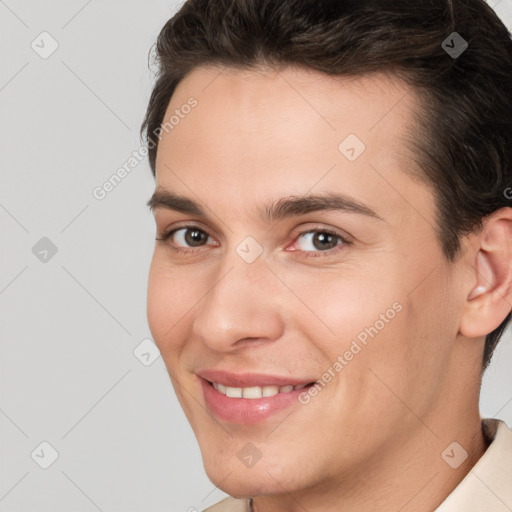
[377,322]
[345,304]
[432,326]
[408,358]
[168,302]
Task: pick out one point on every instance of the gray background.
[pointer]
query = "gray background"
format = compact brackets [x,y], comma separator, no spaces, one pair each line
[70,322]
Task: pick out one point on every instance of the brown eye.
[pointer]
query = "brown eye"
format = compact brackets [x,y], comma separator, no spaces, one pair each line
[319,240]
[185,238]
[194,237]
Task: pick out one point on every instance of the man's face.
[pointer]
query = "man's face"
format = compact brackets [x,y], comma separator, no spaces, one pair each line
[367,311]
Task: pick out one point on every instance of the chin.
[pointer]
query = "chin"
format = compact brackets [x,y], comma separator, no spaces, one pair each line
[248,487]
[241,482]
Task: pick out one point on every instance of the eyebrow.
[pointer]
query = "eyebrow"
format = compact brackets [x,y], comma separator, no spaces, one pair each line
[282,208]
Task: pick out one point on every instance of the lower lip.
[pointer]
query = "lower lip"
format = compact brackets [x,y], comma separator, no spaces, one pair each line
[246,411]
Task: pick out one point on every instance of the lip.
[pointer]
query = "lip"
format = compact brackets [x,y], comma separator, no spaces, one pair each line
[246,380]
[247,411]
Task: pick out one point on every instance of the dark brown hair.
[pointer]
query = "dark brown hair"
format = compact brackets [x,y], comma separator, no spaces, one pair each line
[464,149]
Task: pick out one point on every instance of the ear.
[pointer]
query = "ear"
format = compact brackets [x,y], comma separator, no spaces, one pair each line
[489,299]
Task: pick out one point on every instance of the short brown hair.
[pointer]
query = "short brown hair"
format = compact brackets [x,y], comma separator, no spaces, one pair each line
[465,148]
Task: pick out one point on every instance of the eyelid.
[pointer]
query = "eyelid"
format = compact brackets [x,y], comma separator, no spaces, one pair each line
[323,229]
[345,241]
[345,238]
[168,233]
[181,225]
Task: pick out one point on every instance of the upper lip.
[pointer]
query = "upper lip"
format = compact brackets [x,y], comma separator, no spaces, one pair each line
[245,380]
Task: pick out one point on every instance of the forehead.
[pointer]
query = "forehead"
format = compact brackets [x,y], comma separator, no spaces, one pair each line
[336,100]
[253,132]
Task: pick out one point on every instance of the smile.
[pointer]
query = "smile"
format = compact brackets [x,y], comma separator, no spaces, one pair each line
[255,391]
[249,405]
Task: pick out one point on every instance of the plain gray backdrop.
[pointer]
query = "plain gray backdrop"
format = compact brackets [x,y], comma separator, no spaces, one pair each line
[88,417]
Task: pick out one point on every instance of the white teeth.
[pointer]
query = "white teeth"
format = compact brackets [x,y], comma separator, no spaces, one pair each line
[270,390]
[234,392]
[254,391]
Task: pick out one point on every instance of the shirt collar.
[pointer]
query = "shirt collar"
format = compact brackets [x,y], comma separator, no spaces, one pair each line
[488,485]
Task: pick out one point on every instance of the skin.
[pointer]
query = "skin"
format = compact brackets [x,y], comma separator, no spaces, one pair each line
[372,438]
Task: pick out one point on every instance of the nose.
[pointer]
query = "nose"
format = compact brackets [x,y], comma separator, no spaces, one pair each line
[244,302]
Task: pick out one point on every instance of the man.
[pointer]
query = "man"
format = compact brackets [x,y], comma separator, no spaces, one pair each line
[333,265]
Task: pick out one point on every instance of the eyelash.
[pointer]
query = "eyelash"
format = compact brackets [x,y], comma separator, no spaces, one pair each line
[315,254]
